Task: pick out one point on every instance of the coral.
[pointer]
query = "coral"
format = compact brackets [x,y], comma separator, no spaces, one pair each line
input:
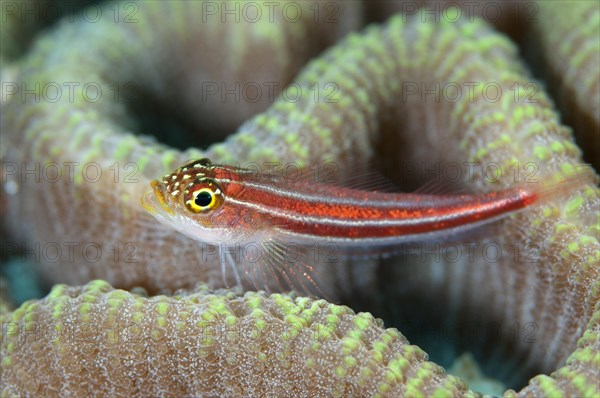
[98,341]
[217,343]
[579,377]
[569,56]
[376,107]
[23,19]
[468,370]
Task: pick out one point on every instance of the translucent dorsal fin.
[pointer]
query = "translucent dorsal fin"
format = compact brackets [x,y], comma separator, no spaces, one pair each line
[358,177]
[435,187]
[372,180]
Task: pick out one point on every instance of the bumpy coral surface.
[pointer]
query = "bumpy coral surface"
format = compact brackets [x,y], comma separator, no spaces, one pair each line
[431,92]
[97,341]
[570,58]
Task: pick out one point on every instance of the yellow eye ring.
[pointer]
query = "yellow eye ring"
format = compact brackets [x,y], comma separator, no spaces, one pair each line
[203,196]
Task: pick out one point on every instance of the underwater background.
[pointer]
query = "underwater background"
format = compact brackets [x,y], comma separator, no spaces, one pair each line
[100,98]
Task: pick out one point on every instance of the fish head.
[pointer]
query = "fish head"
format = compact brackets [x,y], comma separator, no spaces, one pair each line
[191,200]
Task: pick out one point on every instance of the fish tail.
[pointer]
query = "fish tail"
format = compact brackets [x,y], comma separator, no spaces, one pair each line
[572,178]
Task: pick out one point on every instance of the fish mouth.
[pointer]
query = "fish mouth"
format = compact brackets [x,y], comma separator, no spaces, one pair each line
[156,200]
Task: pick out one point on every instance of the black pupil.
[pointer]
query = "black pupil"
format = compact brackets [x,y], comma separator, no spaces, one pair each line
[203,199]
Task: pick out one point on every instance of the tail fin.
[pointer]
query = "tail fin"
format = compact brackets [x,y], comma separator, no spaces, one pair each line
[570,179]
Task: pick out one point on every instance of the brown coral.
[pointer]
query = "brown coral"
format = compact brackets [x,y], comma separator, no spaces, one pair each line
[570,59]
[373,74]
[97,341]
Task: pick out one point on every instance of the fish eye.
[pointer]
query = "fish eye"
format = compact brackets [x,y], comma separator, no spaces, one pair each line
[202,196]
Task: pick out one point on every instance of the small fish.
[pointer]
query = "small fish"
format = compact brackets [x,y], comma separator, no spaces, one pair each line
[232,206]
